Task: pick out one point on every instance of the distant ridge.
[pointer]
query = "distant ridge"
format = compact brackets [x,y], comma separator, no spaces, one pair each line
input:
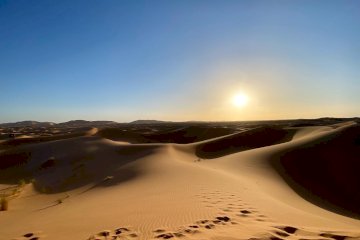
[84,123]
[28,124]
[148,122]
[72,123]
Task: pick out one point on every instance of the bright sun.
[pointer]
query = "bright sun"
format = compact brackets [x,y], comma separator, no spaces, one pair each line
[240,100]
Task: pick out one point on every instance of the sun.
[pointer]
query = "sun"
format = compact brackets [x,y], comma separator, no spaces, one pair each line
[240,100]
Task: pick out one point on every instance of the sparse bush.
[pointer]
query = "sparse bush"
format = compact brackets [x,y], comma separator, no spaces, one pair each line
[22,182]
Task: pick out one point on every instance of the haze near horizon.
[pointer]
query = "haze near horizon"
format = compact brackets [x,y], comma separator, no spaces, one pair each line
[178,60]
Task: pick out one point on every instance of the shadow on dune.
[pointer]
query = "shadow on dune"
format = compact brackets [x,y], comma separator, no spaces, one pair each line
[21,141]
[87,161]
[250,139]
[326,171]
[117,134]
[102,171]
[181,135]
[190,134]
[14,159]
[115,178]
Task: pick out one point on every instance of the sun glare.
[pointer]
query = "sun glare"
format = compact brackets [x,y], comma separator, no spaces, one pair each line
[240,100]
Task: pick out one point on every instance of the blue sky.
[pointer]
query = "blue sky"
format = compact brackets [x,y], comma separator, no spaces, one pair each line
[178,60]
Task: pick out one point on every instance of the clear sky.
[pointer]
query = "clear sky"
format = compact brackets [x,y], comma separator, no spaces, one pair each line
[178,60]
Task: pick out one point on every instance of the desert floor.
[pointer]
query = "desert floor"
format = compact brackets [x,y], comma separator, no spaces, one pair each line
[227,181]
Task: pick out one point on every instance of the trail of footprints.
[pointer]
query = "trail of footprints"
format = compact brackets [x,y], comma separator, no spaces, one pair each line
[276,232]
[232,205]
[120,233]
[290,232]
[239,210]
[232,211]
[235,209]
[193,228]
[126,233]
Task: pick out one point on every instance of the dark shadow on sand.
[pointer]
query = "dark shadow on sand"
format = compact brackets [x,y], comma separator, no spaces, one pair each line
[326,172]
[250,139]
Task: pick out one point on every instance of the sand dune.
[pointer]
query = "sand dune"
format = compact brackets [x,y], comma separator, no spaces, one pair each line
[260,183]
[246,140]
[20,140]
[121,135]
[330,164]
[186,134]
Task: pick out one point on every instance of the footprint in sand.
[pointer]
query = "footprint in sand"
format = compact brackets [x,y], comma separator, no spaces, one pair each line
[334,236]
[288,229]
[30,236]
[244,213]
[165,235]
[178,234]
[118,233]
[303,234]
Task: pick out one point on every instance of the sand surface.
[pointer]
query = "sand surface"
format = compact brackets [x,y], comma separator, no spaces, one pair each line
[260,182]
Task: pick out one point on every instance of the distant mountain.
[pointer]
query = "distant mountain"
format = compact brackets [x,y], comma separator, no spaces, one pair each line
[73,123]
[148,122]
[84,123]
[28,124]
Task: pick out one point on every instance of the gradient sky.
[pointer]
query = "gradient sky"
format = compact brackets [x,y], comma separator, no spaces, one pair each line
[178,60]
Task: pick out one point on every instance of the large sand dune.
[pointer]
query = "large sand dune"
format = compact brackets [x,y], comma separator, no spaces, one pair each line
[194,182]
